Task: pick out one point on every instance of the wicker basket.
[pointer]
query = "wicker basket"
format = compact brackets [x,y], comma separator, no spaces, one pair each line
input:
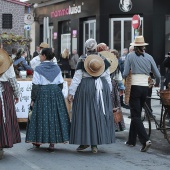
[165,96]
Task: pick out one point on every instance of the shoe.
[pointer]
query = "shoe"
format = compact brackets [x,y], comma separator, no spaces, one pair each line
[94,149]
[1,153]
[127,143]
[36,145]
[146,146]
[82,147]
[50,148]
[125,106]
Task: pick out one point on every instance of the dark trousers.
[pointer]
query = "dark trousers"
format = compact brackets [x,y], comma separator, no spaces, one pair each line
[72,72]
[137,99]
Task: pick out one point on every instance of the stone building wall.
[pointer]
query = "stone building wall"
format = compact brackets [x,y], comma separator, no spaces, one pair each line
[17,12]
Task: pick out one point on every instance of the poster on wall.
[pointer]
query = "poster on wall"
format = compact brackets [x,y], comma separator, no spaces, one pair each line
[65,42]
[23,105]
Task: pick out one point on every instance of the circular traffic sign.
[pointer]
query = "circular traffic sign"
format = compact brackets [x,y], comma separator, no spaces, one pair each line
[136,21]
[28,19]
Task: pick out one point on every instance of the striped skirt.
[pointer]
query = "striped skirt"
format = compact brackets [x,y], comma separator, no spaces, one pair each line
[90,126]
[120,126]
[49,122]
[9,128]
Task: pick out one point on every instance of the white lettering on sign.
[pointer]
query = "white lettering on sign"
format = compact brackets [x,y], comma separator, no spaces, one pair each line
[68,11]
[135,22]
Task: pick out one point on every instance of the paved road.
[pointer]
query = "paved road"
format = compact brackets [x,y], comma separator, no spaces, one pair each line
[110,157]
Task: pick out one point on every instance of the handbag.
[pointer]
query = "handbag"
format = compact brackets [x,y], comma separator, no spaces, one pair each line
[117,113]
[65,89]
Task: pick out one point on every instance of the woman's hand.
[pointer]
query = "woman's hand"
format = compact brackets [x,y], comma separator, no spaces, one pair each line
[70,98]
[16,100]
[32,103]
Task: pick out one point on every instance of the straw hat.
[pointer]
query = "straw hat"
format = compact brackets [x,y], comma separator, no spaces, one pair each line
[44,45]
[139,41]
[112,60]
[94,65]
[5,61]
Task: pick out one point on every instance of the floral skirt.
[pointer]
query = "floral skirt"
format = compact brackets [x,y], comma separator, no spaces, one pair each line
[49,122]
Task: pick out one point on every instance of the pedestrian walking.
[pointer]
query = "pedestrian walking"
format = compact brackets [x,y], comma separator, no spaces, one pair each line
[64,60]
[141,64]
[49,122]
[73,62]
[9,95]
[116,80]
[90,90]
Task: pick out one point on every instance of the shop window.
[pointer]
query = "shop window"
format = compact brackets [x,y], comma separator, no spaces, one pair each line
[7,21]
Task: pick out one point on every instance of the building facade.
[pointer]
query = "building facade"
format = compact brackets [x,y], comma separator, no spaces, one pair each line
[11,20]
[69,24]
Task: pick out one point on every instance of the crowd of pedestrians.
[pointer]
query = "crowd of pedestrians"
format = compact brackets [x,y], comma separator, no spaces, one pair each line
[99,71]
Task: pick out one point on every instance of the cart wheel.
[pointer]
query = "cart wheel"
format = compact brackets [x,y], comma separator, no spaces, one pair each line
[166,124]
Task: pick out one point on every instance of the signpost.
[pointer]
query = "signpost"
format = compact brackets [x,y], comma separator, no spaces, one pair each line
[136,21]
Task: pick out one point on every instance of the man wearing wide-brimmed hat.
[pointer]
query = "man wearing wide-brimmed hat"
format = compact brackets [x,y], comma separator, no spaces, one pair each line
[92,118]
[9,94]
[141,64]
[36,60]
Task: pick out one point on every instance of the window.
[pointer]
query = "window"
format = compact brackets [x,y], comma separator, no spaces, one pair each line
[7,21]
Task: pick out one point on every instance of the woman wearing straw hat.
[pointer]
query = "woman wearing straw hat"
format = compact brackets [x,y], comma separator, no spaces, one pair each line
[116,79]
[92,118]
[9,95]
[141,64]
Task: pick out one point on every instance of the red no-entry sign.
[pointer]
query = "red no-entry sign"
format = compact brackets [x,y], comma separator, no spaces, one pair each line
[136,21]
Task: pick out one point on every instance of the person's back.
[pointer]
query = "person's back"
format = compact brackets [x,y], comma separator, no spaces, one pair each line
[122,59]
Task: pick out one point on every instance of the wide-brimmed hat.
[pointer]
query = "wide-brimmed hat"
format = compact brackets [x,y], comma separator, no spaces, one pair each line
[112,60]
[94,65]
[44,45]
[139,41]
[5,61]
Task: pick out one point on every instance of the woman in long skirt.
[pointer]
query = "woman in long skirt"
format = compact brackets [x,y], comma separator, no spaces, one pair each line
[49,122]
[92,117]
[9,95]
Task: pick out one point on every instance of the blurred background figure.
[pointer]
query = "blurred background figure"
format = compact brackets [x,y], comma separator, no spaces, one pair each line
[36,60]
[131,48]
[54,60]
[20,63]
[166,63]
[37,51]
[64,61]
[73,62]
[14,52]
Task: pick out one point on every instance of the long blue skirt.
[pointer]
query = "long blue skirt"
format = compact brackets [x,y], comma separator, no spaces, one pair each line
[90,126]
[49,122]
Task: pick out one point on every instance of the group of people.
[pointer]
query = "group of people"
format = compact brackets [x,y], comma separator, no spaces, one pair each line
[94,93]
